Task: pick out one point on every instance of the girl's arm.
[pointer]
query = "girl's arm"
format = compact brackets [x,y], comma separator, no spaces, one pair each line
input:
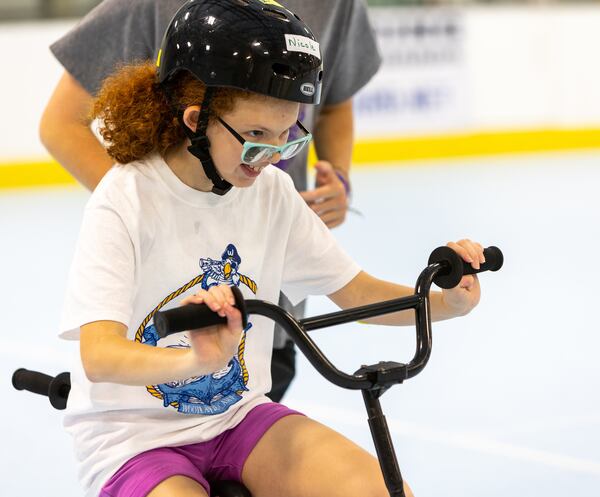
[365,289]
[109,356]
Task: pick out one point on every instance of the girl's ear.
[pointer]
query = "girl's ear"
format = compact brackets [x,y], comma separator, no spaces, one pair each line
[191,116]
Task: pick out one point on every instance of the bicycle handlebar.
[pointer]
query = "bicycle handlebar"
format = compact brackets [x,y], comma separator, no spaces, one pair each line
[445,268]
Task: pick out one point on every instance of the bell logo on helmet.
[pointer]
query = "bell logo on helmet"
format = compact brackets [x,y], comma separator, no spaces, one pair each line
[307,89]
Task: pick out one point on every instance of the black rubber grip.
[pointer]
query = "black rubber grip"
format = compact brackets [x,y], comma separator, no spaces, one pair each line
[32,381]
[494,259]
[55,388]
[195,316]
[457,267]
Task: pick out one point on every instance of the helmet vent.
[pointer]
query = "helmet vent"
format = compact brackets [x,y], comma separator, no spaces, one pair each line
[283,70]
[275,13]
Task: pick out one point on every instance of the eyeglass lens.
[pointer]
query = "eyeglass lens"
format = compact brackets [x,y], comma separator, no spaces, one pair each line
[256,154]
[259,153]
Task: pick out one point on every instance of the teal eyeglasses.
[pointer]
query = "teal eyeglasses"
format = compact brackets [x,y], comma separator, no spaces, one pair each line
[254,153]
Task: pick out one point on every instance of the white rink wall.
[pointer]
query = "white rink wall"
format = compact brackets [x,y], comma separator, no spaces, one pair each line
[445,71]
[479,69]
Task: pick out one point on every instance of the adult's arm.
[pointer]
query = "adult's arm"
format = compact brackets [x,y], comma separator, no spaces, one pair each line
[65,132]
[334,136]
[333,140]
[113,33]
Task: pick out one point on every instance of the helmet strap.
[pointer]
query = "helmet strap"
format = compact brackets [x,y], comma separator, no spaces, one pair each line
[201,144]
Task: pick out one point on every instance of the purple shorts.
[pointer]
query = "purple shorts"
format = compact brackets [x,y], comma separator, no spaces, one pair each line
[221,458]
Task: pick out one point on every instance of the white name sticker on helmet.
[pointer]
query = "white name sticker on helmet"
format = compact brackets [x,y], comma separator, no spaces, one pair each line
[297,43]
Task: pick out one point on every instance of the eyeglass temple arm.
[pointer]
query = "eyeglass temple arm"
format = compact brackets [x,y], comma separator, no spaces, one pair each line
[301,126]
[232,131]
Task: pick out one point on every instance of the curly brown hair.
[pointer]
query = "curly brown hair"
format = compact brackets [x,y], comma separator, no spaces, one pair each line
[137,117]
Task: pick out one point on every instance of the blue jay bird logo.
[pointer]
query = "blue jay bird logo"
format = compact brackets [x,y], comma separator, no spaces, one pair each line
[214,393]
[221,272]
[224,271]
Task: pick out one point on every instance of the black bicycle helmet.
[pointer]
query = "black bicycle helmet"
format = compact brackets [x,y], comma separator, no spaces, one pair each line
[254,45]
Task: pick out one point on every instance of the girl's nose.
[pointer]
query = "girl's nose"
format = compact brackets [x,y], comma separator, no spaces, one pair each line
[275,158]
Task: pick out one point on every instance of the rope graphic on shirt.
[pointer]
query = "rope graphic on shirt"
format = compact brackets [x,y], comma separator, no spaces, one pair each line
[175,294]
[197,280]
[248,282]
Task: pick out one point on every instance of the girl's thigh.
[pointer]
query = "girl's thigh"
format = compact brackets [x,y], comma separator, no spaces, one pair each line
[299,457]
[178,486]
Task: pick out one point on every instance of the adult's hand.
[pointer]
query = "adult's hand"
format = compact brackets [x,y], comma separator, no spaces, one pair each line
[329,199]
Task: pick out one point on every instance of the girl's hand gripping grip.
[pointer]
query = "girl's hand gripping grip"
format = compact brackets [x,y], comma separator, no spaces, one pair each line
[194,316]
[457,267]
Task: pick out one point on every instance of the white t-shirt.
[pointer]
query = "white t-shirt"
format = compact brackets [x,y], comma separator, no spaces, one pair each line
[147,241]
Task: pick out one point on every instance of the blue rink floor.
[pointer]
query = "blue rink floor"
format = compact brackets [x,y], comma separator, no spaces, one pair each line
[510,401]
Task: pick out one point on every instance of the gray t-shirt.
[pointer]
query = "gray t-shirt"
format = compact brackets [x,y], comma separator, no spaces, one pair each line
[118,32]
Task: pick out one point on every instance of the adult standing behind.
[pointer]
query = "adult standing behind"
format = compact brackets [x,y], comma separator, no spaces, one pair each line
[118,32]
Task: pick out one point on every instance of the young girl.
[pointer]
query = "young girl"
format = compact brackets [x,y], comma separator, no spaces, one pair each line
[191,210]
